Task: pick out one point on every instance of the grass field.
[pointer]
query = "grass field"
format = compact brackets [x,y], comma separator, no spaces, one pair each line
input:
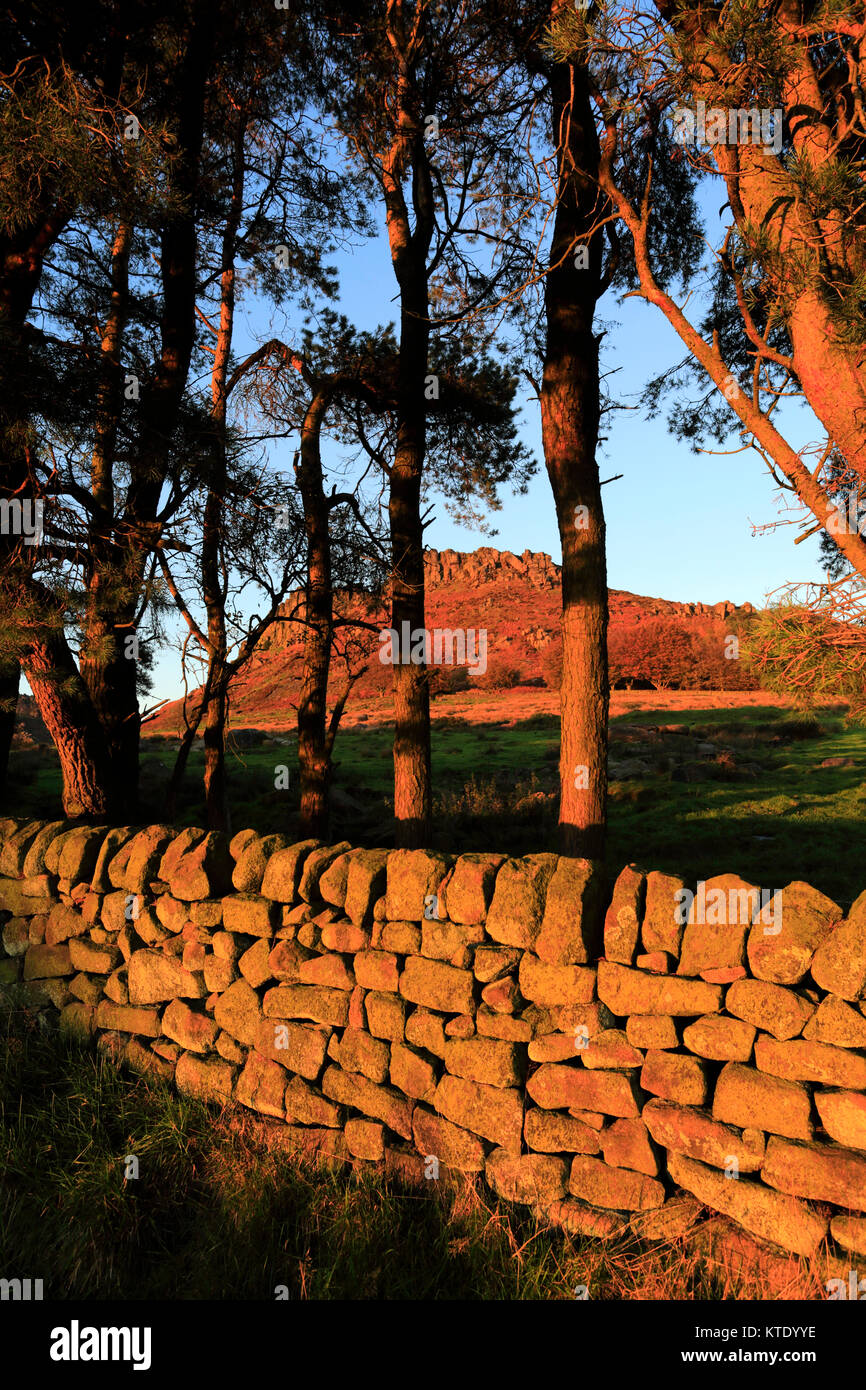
[217,1213]
[695,791]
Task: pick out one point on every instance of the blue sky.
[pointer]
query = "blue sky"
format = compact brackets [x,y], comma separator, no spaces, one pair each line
[679,524]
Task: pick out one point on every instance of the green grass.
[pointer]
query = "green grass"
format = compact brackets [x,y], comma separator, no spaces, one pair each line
[495,788]
[214,1214]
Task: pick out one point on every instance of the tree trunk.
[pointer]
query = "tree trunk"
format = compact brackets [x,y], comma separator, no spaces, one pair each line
[10,675]
[69,717]
[412,763]
[314,760]
[569,421]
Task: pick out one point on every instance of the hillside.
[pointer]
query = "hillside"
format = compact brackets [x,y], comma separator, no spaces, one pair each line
[514,599]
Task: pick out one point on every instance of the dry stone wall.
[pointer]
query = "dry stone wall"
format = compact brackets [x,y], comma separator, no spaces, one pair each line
[587,1051]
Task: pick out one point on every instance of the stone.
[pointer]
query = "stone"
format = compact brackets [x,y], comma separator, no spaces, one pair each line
[413,877]
[487,1060]
[206,912]
[239,1012]
[202,871]
[662,927]
[358,1051]
[469,891]
[379,1102]
[517,910]
[34,859]
[386,1015]
[493,962]
[240,841]
[331,970]
[764,1213]
[554,1047]
[579,1219]
[63,922]
[194,1031]
[218,974]
[77,1021]
[817,1171]
[610,1049]
[669,1222]
[425,1029]
[436,1137]
[837,1023]
[364,884]
[493,1113]
[720,1039]
[545,1131]
[206,1078]
[675,1077]
[305,1106]
[282,874]
[262,1086]
[16,936]
[124,1019]
[365,1139]
[86,988]
[657,962]
[450,942]
[47,962]
[402,937]
[299,1047]
[79,854]
[249,869]
[618,1188]
[334,880]
[555,984]
[719,942]
[626,1144]
[318,1003]
[630,992]
[286,958]
[622,919]
[784,939]
[343,936]
[534,1179]
[724,976]
[556,1087]
[747,1097]
[850,1233]
[16,846]
[839,964]
[377,970]
[315,865]
[651,1030]
[800,1060]
[412,1074]
[245,912]
[230,1050]
[685,1130]
[843,1115]
[508,1029]
[571,928]
[502,996]
[97,959]
[462,1026]
[154,976]
[192,835]
[773,1008]
[254,963]
[117,988]
[115,840]
[437,986]
[141,863]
